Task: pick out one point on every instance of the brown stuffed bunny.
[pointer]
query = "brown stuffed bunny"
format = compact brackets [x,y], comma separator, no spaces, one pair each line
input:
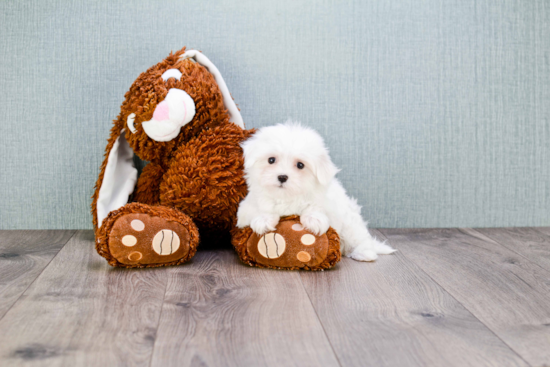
[180,117]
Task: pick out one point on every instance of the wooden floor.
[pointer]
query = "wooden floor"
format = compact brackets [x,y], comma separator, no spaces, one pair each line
[448,297]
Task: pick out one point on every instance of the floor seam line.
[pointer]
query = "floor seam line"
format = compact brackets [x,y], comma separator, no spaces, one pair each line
[511,249]
[466,308]
[38,276]
[158,321]
[320,322]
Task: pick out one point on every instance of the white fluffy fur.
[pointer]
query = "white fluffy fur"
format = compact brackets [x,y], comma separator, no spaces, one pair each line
[313,192]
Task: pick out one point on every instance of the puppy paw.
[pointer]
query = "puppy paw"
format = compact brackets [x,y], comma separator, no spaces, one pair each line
[364,253]
[264,223]
[315,222]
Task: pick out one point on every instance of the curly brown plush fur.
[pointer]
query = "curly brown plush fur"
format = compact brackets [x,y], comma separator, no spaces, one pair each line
[147,189]
[146,92]
[205,177]
[200,172]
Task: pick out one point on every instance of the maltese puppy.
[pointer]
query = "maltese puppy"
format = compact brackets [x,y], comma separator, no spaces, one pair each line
[289,171]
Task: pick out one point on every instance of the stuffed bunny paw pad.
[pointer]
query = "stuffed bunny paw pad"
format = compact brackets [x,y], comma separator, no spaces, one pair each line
[141,236]
[290,246]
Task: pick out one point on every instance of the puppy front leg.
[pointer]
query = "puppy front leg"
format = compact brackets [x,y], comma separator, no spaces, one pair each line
[264,223]
[261,221]
[246,212]
[315,220]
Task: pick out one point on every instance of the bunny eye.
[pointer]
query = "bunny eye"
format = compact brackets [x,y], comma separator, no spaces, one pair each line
[271,160]
[171,73]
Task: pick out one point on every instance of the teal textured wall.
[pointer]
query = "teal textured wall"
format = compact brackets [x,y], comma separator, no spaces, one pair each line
[437,111]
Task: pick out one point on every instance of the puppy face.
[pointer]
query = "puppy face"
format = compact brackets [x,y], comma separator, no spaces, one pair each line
[287,160]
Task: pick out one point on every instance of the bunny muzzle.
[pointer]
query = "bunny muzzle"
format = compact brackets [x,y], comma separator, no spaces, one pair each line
[170,115]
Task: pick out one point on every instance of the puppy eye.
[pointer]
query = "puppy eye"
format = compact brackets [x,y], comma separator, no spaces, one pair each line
[300,165]
[271,160]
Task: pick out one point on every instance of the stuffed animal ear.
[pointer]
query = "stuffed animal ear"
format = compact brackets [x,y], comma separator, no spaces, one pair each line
[117,178]
[234,114]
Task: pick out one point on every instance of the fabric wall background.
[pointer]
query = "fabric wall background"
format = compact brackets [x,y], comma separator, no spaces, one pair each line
[437,111]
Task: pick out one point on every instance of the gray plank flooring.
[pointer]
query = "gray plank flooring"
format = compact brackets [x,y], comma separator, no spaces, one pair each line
[23,256]
[449,297]
[82,312]
[393,314]
[532,243]
[507,292]
[218,312]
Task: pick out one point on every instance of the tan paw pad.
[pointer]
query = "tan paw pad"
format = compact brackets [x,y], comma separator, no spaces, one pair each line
[137,225]
[308,239]
[303,256]
[129,240]
[135,256]
[271,245]
[166,242]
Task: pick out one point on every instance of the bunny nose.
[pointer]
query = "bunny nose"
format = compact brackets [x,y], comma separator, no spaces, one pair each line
[282,178]
[170,115]
[162,111]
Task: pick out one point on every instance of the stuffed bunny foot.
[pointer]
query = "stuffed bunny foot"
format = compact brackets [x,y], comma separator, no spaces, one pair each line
[290,246]
[139,235]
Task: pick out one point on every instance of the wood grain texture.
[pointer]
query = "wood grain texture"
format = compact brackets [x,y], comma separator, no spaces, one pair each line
[82,312]
[219,312]
[390,313]
[544,230]
[505,291]
[23,256]
[448,297]
[532,243]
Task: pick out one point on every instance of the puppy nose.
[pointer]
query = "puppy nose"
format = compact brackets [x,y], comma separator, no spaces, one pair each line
[282,178]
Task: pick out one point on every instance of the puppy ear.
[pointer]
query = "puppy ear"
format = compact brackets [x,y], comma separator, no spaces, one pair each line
[324,169]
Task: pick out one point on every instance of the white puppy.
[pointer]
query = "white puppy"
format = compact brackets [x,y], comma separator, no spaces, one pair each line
[289,171]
